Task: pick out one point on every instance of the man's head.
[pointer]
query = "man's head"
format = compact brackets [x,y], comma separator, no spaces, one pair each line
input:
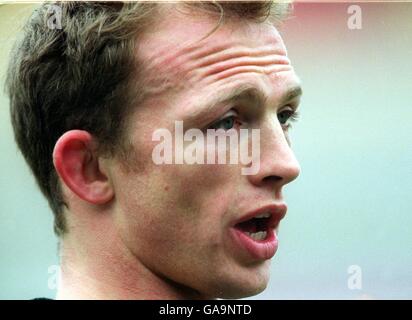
[86,100]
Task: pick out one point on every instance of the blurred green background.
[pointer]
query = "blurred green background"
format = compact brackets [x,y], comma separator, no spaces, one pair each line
[350,206]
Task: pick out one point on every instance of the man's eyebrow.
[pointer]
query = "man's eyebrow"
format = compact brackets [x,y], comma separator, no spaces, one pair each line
[292,93]
[242,92]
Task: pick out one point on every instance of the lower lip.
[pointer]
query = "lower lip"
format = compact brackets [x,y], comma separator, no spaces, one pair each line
[259,250]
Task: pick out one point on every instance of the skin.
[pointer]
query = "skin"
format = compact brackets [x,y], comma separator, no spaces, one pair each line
[162,231]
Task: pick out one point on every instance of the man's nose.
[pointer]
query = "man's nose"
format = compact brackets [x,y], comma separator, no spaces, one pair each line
[278,164]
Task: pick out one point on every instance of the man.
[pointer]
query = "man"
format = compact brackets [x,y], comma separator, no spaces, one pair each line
[86,99]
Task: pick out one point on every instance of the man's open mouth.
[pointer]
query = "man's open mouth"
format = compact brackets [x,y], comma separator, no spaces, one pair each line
[257,227]
[255,234]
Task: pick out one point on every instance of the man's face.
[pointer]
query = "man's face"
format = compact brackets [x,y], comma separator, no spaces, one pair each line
[181,220]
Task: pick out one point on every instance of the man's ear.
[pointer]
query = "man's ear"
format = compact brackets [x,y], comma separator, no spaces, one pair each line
[76,162]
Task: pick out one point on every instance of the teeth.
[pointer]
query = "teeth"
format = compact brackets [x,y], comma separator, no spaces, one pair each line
[261,235]
[263,215]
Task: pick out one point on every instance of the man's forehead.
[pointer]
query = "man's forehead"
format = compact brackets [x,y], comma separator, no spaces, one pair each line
[189,33]
[173,50]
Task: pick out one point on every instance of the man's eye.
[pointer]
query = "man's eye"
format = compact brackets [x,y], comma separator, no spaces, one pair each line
[225,124]
[286,116]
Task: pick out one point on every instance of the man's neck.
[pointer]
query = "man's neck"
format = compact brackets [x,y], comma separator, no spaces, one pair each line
[109,270]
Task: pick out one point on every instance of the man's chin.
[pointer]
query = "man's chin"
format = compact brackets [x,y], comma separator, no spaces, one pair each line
[237,288]
[241,292]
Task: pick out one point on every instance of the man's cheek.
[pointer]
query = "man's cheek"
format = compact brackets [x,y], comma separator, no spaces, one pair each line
[200,178]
